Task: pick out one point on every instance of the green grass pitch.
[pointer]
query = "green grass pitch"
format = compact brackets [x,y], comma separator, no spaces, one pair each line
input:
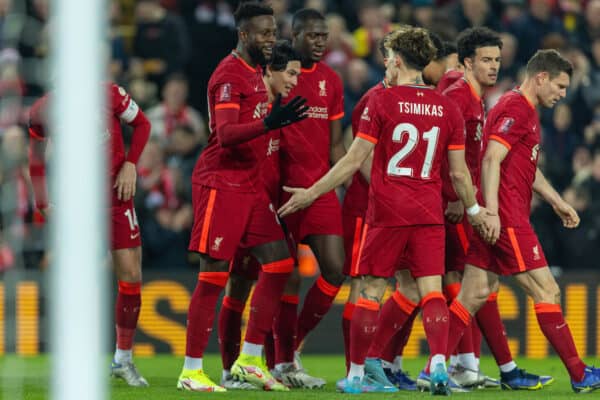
[28,379]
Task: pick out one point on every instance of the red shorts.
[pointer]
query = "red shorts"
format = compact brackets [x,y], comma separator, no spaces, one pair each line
[353,230]
[225,221]
[245,265]
[125,231]
[387,249]
[457,244]
[517,250]
[323,217]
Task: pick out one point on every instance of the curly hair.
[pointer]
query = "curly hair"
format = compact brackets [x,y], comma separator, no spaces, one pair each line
[414,45]
[283,53]
[250,9]
[471,39]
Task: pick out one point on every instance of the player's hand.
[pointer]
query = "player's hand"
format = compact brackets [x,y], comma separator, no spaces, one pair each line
[301,198]
[281,116]
[47,211]
[567,214]
[125,182]
[490,232]
[454,212]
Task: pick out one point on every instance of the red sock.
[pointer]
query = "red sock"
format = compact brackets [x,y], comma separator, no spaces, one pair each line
[230,330]
[436,322]
[263,308]
[396,345]
[346,320]
[459,321]
[284,329]
[127,311]
[476,335]
[201,313]
[394,314]
[362,329]
[270,350]
[553,325]
[465,345]
[316,304]
[492,328]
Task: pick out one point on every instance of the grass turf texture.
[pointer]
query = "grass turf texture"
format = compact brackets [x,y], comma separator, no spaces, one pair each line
[28,379]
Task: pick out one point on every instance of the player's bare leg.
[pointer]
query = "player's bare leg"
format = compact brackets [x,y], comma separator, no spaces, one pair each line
[230,328]
[128,269]
[276,265]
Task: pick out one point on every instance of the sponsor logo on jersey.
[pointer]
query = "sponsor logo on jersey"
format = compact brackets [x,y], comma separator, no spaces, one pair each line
[273,146]
[260,110]
[317,112]
[534,152]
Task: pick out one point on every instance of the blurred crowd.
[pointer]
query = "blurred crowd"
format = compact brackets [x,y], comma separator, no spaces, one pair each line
[163,52]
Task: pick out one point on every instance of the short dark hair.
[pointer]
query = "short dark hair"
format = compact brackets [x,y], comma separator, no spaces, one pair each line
[302,16]
[471,39]
[250,9]
[383,44]
[549,61]
[439,45]
[414,46]
[283,53]
[449,48]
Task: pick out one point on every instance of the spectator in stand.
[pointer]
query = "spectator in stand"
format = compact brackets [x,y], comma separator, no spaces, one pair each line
[372,29]
[119,60]
[591,133]
[532,27]
[282,17]
[12,89]
[166,218]
[357,82]
[593,182]
[213,36]
[588,29]
[184,148]
[33,47]
[423,13]
[340,43]
[578,248]
[591,87]
[174,110]
[160,42]
[473,13]
[581,165]
[559,143]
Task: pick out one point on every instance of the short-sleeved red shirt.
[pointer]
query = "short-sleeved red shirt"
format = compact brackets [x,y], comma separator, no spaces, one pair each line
[413,128]
[514,122]
[357,195]
[472,110]
[306,145]
[234,84]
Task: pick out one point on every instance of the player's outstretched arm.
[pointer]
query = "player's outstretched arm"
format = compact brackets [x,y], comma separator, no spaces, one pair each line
[341,171]
[478,216]
[567,214]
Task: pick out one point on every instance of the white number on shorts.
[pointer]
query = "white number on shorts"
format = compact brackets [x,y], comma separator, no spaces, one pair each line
[431,137]
[132,218]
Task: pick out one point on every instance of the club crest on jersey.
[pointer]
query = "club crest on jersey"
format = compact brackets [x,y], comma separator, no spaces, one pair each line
[217,243]
[534,152]
[322,88]
[225,92]
[536,252]
[365,114]
[507,122]
[273,146]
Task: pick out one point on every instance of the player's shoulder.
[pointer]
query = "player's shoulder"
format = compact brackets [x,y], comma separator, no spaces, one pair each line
[325,70]
[230,69]
[512,102]
[459,87]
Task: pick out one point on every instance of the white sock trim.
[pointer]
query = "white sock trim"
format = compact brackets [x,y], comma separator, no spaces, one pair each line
[356,370]
[192,363]
[397,364]
[122,356]
[468,360]
[438,359]
[251,349]
[509,366]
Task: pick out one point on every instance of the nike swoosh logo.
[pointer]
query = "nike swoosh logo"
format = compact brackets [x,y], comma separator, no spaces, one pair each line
[134,236]
[561,326]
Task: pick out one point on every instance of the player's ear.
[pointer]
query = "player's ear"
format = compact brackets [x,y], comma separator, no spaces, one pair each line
[468,61]
[541,77]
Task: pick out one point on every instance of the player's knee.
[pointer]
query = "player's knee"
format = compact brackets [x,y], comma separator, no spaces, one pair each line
[331,270]
[550,294]
[238,287]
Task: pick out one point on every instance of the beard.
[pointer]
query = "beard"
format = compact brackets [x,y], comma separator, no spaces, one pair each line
[257,55]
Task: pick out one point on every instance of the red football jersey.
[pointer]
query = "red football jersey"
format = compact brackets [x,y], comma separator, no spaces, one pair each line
[357,195]
[514,122]
[448,79]
[413,128]
[305,146]
[120,107]
[472,109]
[234,84]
